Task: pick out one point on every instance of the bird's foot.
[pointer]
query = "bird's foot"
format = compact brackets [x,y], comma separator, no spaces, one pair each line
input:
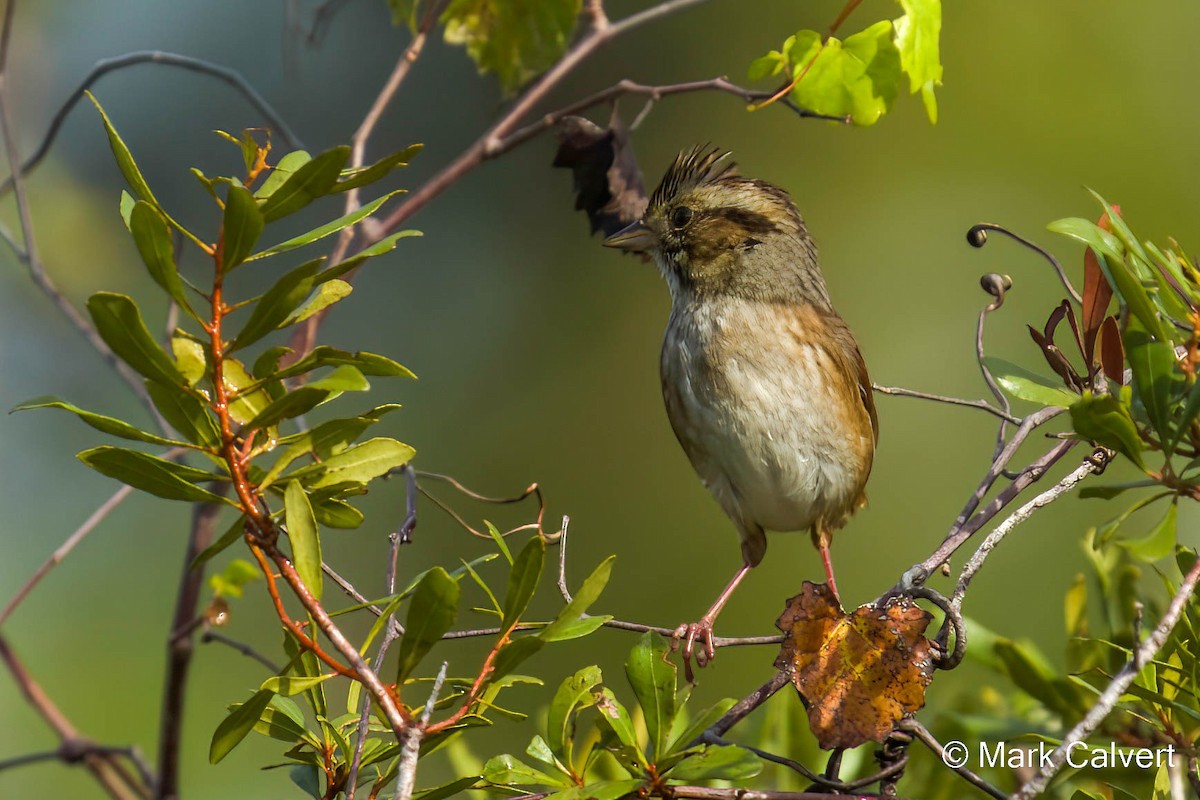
[692,634]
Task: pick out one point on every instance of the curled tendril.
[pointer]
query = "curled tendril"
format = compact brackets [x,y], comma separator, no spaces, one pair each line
[996,285]
[948,658]
[977,236]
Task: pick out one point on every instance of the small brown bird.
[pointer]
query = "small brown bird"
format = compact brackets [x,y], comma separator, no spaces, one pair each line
[764,384]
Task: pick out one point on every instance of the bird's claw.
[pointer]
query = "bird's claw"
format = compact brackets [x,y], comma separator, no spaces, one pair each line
[689,634]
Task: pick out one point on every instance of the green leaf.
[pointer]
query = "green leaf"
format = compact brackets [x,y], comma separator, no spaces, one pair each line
[515,653]
[324,440]
[283,298]
[573,694]
[725,762]
[190,359]
[125,162]
[326,295]
[153,239]
[653,680]
[283,720]
[367,364]
[109,425]
[286,167]
[616,717]
[700,724]
[242,225]
[248,404]
[314,178]
[305,539]
[501,544]
[357,464]
[452,789]
[289,685]
[307,397]
[151,474]
[433,610]
[356,178]
[1091,234]
[508,771]
[385,245]
[126,207]
[337,514]
[604,790]
[1154,376]
[1025,385]
[1105,420]
[580,603]
[231,535]
[1159,542]
[119,323]
[523,580]
[767,66]
[1190,410]
[232,581]
[325,230]
[917,34]
[234,728]
[516,40]
[858,78]
[185,412]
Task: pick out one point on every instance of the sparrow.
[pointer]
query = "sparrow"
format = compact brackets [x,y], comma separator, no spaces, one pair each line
[764,384]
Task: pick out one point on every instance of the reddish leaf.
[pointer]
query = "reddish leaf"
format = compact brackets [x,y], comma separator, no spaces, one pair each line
[1057,360]
[1112,351]
[858,673]
[1097,295]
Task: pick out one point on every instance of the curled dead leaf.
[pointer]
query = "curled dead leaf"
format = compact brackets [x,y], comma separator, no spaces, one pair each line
[858,673]
[608,183]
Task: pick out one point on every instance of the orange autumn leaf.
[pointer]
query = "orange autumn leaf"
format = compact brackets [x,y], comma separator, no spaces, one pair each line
[858,673]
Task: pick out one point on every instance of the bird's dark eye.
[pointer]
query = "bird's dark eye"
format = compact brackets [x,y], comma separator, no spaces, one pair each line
[681,216]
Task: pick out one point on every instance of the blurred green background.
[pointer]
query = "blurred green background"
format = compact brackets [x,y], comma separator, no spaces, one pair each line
[537,350]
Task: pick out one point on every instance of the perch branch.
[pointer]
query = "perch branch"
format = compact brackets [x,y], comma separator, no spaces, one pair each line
[982,405]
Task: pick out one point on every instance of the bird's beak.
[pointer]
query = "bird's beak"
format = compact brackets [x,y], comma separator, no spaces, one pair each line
[635,238]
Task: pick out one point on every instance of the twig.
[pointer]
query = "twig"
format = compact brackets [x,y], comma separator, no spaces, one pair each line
[1112,694]
[744,706]
[118,782]
[982,405]
[64,549]
[410,743]
[103,67]
[1002,530]
[562,561]
[181,646]
[241,647]
[928,739]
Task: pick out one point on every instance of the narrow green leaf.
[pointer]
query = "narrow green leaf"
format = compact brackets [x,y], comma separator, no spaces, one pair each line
[185,412]
[357,464]
[452,789]
[327,229]
[283,720]
[364,176]
[1025,385]
[1188,416]
[307,397]
[234,728]
[523,580]
[653,677]
[700,724]
[573,694]
[508,771]
[724,762]
[1091,234]
[154,244]
[126,207]
[1160,541]
[367,364]
[190,359]
[580,602]
[314,178]
[278,303]
[119,323]
[241,227]
[233,533]
[323,441]
[281,172]
[151,474]
[337,514]
[248,404]
[326,295]
[305,539]
[1154,377]
[617,718]
[288,685]
[109,425]
[501,544]
[433,610]
[125,162]
[385,245]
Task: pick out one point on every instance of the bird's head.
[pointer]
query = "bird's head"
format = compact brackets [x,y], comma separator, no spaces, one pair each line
[713,232]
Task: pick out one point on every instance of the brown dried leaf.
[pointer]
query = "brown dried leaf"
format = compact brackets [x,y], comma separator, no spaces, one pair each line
[608,183]
[858,673]
[1096,296]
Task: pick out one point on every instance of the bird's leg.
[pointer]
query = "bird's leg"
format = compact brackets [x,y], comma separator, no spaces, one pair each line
[703,630]
[823,537]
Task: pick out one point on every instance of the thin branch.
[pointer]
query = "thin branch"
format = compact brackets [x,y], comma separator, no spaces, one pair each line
[1002,530]
[245,649]
[410,743]
[982,405]
[928,739]
[744,706]
[977,236]
[103,67]
[64,549]
[1112,694]
[180,647]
